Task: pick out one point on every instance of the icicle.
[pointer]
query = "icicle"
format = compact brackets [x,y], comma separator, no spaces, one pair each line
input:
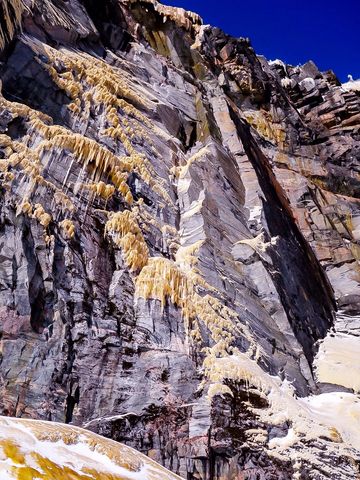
[40,214]
[127,235]
[68,228]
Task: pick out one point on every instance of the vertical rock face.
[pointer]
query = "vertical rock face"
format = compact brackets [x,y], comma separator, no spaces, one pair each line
[179,228]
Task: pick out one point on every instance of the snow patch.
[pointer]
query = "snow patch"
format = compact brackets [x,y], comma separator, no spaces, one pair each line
[337,361]
[72,448]
[284,442]
[353,85]
[255,213]
[278,63]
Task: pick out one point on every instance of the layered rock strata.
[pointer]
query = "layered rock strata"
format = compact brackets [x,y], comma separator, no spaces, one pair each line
[179,231]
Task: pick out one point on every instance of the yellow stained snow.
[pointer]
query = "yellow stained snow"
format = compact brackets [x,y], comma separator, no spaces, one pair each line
[50,451]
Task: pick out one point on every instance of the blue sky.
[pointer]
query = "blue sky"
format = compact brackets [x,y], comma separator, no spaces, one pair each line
[325,31]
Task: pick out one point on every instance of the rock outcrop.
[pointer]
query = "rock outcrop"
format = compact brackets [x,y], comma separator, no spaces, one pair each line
[179,241]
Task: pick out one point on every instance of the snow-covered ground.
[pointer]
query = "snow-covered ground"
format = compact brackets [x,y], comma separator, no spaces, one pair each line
[352,85]
[41,450]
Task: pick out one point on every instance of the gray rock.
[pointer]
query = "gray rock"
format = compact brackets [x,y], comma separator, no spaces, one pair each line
[240,181]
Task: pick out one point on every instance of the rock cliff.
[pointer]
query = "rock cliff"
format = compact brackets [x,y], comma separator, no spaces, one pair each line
[179,241]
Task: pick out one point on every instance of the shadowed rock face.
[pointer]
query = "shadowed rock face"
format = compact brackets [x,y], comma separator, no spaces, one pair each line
[179,222]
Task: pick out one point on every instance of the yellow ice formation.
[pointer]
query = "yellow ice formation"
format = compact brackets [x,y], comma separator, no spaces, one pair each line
[88,152]
[162,279]
[68,228]
[26,207]
[28,161]
[91,83]
[202,308]
[165,280]
[39,213]
[101,189]
[88,78]
[181,171]
[127,235]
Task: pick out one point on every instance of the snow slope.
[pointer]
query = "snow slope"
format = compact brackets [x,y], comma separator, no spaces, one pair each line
[32,450]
